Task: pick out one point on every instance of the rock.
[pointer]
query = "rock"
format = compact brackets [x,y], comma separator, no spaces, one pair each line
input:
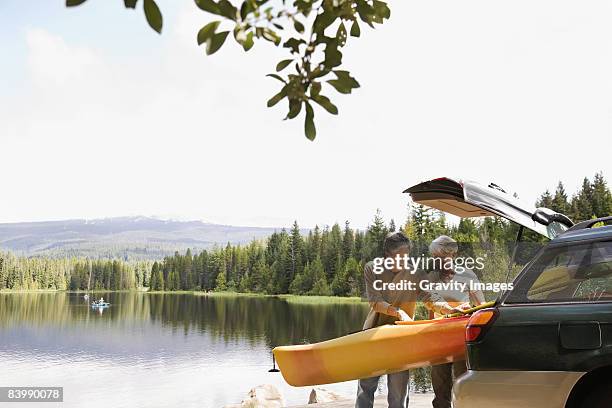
[262,396]
[318,395]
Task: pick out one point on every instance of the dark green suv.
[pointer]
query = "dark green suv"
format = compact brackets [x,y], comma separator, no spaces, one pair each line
[548,342]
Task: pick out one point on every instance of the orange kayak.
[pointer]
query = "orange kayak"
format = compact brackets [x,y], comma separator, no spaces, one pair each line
[380,350]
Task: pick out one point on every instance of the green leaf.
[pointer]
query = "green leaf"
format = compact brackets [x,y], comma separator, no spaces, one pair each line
[207,31]
[339,86]
[365,12]
[344,83]
[315,89]
[322,21]
[309,126]
[320,72]
[208,5]
[283,64]
[248,43]
[227,9]
[245,9]
[277,77]
[72,3]
[341,35]
[277,98]
[346,77]
[304,6]
[299,27]
[333,57]
[271,36]
[215,42]
[295,107]
[326,104]
[153,15]
[130,3]
[355,30]
[381,9]
[294,44]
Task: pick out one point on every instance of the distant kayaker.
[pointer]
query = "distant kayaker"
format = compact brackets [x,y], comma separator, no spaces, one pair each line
[388,306]
[446,248]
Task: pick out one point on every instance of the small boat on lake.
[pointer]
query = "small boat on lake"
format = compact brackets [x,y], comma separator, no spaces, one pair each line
[99,304]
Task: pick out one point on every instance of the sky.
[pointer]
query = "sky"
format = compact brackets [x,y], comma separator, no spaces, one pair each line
[102,117]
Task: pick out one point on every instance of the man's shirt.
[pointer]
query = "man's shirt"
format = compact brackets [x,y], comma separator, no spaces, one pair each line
[380,299]
[453,295]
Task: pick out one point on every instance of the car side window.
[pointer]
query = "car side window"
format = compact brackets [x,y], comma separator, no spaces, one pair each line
[567,273]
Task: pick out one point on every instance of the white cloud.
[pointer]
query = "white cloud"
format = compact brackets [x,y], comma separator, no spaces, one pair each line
[53,63]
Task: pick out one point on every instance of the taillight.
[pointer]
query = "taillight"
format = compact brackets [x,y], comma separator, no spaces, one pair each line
[478,324]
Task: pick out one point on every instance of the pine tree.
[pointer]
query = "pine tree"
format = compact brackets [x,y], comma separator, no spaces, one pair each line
[348,241]
[153,284]
[354,275]
[159,279]
[601,197]
[545,200]
[560,203]
[358,252]
[307,280]
[320,286]
[221,283]
[189,283]
[332,251]
[318,278]
[581,202]
[297,284]
[297,251]
[375,237]
[314,244]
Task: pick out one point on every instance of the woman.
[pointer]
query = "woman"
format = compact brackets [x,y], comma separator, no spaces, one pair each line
[445,250]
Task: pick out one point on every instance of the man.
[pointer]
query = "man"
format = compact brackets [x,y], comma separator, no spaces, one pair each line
[388,306]
[445,249]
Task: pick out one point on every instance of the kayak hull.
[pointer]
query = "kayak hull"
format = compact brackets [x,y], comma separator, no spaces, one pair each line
[373,352]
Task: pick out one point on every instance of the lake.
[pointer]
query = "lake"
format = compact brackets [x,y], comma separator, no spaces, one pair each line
[160,350]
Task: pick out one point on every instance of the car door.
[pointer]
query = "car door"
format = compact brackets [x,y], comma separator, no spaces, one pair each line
[557,318]
[467,199]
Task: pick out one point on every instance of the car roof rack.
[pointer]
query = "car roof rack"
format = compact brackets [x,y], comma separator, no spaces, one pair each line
[590,223]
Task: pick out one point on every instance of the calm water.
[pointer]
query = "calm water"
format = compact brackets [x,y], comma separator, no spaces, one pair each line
[154,350]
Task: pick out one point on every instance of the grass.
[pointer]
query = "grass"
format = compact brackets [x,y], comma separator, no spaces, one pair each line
[101,291]
[29,290]
[171,292]
[295,299]
[319,300]
[229,294]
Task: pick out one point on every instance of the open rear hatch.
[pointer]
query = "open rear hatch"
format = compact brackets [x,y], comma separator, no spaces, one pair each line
[471,199]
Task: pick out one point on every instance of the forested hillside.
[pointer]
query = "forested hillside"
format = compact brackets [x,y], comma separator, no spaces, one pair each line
[128,238]
[326,261]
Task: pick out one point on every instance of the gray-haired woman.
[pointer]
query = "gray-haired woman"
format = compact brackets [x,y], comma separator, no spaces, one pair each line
[445,250]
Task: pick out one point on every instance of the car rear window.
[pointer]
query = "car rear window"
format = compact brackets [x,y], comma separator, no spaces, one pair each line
[567,273]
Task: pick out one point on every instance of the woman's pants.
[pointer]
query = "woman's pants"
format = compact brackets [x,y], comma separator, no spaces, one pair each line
[397,390]
[442,376]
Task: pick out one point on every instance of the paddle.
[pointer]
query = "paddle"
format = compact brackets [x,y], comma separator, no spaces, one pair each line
[468,311]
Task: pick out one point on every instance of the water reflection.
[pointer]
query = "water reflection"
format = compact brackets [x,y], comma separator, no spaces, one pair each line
[199,350]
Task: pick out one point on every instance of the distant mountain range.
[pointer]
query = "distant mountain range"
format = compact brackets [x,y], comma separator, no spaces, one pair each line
[123,237]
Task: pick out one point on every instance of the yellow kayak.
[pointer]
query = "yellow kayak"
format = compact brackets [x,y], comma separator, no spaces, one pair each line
[380,350]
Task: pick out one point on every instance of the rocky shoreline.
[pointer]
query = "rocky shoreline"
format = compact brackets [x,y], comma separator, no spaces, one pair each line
[268,396]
